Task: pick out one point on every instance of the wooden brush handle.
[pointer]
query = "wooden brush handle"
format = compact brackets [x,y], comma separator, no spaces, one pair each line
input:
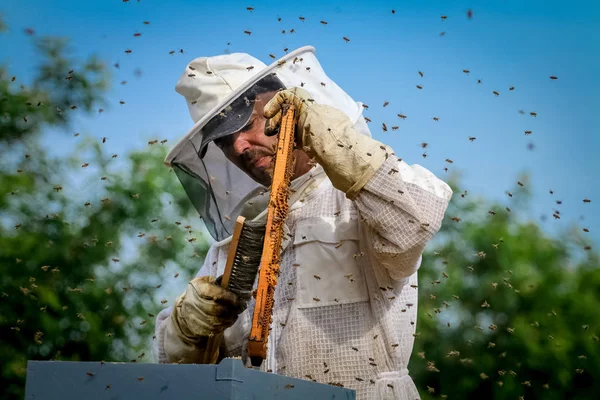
[277,214]
[215,341]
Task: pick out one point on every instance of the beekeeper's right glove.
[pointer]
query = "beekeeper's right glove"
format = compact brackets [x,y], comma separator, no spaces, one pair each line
[203,310]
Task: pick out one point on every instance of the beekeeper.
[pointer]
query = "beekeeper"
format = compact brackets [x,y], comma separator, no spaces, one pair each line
[346,299]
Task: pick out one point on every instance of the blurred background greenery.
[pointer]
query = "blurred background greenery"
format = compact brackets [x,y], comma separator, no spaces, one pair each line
[93,245]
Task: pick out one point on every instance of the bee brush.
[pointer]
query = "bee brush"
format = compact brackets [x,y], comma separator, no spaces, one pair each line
[243,260]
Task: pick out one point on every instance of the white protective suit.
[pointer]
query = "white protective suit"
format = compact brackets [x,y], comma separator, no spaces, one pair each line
[346,299]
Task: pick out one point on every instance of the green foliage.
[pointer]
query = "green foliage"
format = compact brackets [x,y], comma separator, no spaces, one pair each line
[87,246]
[505,310]
[62,87]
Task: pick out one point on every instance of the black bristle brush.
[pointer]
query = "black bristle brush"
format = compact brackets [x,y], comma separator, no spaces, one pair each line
[243,260]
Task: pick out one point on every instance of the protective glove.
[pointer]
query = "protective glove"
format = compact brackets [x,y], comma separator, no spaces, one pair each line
[203,310]
[326,134]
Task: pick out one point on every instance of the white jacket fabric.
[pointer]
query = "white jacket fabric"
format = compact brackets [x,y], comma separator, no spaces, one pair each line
[346,300]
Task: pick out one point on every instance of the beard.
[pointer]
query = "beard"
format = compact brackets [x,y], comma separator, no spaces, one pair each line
[260,175]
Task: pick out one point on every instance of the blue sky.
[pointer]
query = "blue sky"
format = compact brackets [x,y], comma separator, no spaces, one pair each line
[505,43]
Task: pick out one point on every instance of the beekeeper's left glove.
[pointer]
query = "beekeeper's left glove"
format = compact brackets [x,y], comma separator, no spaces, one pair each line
[203,310]
[326,134]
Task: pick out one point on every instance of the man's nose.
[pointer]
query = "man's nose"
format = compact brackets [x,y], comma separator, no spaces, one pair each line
[240,143]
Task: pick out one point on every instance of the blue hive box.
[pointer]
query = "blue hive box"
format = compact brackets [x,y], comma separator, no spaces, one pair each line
[65,380]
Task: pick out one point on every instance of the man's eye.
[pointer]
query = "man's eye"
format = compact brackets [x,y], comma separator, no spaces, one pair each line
[221,142]
[247,127]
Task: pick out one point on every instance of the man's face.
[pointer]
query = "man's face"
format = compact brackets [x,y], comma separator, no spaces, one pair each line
[250,149]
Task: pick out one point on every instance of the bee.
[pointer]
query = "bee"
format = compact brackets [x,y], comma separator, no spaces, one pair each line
[472,138]
[250,9]
[420,73]
[456,219]
[250,68]
[553,77]
[324,22]
[496,93]
[317,277]
[90,374]
[85,165]
[128,51]
[478,81]
[435,119]
[466,71]
[140,378]
[272,56]
[346,39]
[152,142]
[419,87]
[533,114]
[384,127]
[511,88]
[385,104]
[519,183]
[444,17]
[301,18]
[442,33]
[248,33]
[395,128]
[172,52]
[146,22]
[527,132]
[316,299]
[137,34]
[586,200]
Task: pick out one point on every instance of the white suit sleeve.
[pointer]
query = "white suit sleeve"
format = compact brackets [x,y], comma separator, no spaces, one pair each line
[403,206]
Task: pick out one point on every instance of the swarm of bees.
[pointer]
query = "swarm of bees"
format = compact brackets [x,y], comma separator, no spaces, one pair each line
[447,164]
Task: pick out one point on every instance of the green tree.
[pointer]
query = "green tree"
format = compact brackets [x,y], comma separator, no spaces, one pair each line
[89,248]
[506,311]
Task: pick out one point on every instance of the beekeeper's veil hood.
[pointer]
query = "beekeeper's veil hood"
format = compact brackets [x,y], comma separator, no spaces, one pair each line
[219,92]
